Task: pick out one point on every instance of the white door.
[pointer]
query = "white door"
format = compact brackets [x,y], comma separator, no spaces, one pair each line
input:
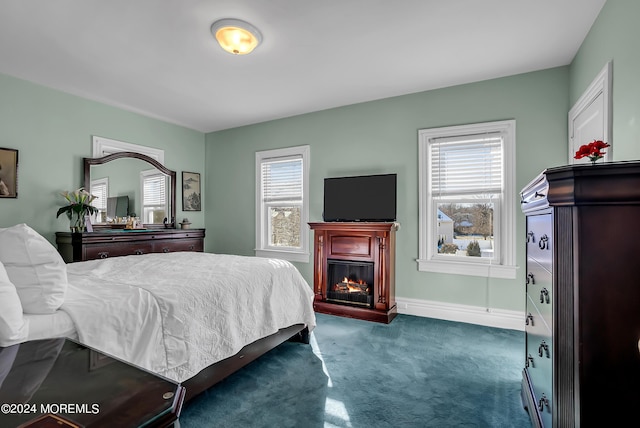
[589,119]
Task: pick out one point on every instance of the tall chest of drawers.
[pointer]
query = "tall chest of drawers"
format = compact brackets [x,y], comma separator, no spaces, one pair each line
[582,348]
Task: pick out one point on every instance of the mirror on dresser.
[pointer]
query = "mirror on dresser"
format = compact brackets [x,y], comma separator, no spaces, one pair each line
[130,184]
[133,183]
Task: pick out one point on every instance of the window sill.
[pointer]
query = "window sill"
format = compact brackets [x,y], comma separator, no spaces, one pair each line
[284,255]
[472,269]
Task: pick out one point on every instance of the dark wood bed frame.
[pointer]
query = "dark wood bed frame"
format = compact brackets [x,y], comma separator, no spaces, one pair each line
[220,370]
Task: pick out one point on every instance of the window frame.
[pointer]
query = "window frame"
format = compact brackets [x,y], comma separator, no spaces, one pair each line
[504,225]
[262,248]
[99,182]
[144,175]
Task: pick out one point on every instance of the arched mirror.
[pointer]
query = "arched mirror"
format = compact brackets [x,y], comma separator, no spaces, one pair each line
[131,184]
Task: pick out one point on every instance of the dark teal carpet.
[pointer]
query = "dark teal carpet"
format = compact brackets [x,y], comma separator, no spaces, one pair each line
[414,372]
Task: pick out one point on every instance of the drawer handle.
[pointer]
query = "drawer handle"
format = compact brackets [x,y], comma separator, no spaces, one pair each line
[529,362]
[530,237]
[165,250]
[544,401]
[529,320]
[138,252]
[191,247]
[103,254]
[530,279]
[544,296]
[543,349]
[539,195]
[544,242]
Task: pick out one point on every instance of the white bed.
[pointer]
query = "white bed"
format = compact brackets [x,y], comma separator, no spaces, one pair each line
[177,313]
[174,314]
[47,326]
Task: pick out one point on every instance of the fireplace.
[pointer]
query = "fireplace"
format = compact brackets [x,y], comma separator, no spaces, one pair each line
[354,269]
[350,283]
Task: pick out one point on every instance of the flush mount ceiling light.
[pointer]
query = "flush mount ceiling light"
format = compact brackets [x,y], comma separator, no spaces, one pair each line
[235,36]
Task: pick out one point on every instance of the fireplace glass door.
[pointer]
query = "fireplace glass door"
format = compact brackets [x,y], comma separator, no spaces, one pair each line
[350,283]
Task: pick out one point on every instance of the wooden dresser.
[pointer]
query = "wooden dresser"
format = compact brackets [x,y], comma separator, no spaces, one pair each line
[582,356]
[77,247]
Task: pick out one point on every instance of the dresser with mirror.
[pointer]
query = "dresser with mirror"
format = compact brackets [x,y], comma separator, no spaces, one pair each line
[129,185]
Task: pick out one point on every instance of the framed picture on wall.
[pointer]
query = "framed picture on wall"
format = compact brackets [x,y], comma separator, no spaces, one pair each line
[8,173]
[191,191]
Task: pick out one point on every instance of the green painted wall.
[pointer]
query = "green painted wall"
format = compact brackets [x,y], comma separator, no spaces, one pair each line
[53,132]
[382,137]
[614,37]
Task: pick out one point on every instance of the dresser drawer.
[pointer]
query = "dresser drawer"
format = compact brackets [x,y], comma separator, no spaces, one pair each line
[540,239]
[540,290]
[539,363]
[102,251]
[543,401]
[534,318]
[171,246]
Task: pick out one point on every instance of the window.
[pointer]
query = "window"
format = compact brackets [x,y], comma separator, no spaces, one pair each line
[282,203]
[100,189]
[154,196]
[467,199]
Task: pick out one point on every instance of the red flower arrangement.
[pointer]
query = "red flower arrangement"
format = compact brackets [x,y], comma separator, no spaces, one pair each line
[593,150]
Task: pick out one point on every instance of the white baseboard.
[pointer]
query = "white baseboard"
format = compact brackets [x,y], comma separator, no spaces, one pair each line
[500,318]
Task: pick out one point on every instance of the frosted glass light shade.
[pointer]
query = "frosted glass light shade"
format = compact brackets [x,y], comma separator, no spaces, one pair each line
[235,36]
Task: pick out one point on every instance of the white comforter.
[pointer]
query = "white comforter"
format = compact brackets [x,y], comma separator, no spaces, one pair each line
[177,313]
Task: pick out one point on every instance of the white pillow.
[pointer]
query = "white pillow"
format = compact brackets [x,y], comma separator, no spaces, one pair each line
[13,327]
[35,268]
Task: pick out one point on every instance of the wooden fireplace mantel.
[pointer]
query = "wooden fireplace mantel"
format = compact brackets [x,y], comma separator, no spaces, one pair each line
[361,242]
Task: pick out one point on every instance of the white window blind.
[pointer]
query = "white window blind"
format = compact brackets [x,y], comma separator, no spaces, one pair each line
[99,190]
[282,180]
[468,165]
[154,190]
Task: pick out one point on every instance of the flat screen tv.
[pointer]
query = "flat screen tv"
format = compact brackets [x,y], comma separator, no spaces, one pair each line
[361,198]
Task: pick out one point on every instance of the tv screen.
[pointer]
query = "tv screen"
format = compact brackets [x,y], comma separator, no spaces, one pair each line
[117,206]
[361,198]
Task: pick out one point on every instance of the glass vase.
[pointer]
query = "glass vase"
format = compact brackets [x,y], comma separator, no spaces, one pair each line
[76,223]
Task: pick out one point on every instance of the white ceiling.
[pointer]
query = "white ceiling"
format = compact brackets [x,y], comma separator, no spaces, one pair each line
[158,57]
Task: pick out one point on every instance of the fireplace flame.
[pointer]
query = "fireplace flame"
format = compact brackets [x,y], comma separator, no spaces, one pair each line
[350,286]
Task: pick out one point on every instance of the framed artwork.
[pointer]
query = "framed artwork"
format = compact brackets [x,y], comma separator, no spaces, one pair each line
[8,173]
[191,191]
